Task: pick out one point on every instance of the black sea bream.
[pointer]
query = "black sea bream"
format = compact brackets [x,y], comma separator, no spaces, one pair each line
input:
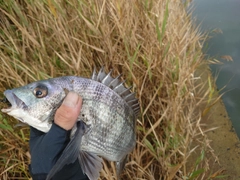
[107,122]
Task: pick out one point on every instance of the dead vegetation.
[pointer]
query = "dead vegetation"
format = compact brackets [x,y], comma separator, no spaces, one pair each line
[152,43]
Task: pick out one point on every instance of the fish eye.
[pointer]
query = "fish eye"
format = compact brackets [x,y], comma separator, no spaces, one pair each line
[40,91]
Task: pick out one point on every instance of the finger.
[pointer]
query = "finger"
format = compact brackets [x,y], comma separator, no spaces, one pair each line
[67,113]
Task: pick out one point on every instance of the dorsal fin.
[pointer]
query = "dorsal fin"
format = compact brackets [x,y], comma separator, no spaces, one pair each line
[94,74]
[101,75]
[118,86]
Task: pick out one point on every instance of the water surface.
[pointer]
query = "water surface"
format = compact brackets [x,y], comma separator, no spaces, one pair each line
[223,15]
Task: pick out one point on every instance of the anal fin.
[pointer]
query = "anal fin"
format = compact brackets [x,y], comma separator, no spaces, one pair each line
[120,166]
[91,164]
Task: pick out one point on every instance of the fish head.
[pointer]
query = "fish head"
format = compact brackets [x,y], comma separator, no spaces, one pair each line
[35,104]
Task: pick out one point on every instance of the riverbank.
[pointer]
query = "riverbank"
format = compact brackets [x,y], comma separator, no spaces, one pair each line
[224,141]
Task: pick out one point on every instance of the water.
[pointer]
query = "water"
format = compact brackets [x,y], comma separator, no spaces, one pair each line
[224,15]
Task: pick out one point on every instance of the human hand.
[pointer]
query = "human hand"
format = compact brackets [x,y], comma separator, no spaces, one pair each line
[46,148]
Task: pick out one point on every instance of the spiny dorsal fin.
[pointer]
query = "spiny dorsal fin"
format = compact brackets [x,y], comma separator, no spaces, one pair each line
[108,78]
[101,75]
[118,86]
[94,74]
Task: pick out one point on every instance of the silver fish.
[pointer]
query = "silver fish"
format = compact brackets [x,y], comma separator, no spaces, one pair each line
[107,122]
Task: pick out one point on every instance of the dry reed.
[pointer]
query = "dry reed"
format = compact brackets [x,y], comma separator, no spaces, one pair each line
[152,43]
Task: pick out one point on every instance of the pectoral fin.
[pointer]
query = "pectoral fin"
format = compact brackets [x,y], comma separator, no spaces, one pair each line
[71,152]
[91,164]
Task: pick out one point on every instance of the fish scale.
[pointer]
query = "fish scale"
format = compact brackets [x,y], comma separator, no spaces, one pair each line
[108,117]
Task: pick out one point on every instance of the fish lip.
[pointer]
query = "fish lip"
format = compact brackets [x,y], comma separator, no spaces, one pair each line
[13,100]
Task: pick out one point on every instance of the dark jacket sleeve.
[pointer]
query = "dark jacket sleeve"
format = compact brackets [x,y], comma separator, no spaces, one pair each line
[69,172]
[45,149]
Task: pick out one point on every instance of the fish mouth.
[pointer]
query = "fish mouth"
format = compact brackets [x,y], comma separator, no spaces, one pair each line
[12,101]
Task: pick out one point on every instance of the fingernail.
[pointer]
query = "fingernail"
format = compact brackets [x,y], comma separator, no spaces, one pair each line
[71,99]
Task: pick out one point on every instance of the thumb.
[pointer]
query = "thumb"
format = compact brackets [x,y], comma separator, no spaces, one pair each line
[67,113]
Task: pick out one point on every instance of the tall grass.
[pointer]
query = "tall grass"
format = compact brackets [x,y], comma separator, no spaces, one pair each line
[152,43]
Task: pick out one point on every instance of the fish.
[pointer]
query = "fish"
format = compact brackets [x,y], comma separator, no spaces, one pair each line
[106,126]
